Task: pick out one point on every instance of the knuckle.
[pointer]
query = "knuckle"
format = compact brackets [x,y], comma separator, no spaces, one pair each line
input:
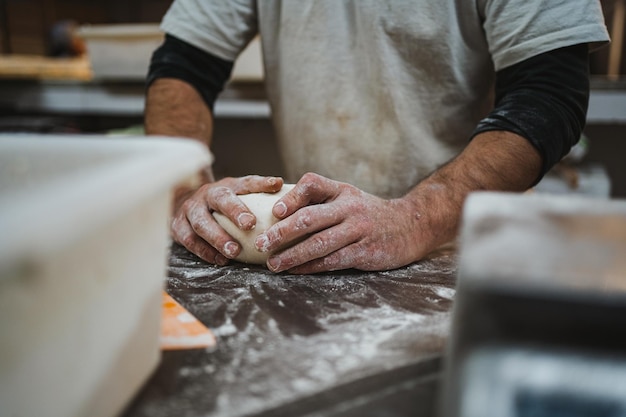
[188,240]
[176,223]
[331,261]
[310,177]
[179,229]
[252,178]
[308,181]
[245,184]
[220,192]
[355,209]
[303,222]
[275,233]
[204,188]
[318,244]
[354,192]
[187,206]
[200,225]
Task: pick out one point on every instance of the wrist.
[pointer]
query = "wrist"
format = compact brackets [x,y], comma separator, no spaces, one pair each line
[435,204]
[185,190]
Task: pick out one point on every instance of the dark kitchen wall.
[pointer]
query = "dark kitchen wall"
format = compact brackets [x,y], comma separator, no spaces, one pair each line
[608,148]
[25,24]
[600,58]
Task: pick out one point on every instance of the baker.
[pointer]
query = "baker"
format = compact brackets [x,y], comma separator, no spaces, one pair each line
[387,114]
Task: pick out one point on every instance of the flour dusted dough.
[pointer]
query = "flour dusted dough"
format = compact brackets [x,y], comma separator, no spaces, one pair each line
[261,205]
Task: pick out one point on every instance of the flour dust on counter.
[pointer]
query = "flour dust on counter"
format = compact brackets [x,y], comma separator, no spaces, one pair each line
[291,344]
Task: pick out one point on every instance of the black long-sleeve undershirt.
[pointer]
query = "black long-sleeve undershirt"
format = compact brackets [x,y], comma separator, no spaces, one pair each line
[545,100]
[206,72]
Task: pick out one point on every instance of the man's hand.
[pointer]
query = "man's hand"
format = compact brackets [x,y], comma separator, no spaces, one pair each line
[342,227]
[194,227]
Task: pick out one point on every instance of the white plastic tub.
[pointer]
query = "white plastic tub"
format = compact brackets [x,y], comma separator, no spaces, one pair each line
[83,245]
[121,51]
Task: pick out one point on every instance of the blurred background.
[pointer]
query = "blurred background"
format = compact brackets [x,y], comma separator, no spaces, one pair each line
[54,78]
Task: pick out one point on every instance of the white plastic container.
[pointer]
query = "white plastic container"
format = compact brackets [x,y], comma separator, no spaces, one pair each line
[121,51]
[249,64]
[83,246]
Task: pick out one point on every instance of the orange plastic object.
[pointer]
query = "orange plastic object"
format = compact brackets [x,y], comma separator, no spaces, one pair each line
[181,330]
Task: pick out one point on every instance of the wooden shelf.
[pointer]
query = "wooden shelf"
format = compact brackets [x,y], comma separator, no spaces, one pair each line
[43,68]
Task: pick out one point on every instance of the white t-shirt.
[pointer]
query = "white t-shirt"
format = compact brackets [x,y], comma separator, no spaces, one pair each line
[380,93]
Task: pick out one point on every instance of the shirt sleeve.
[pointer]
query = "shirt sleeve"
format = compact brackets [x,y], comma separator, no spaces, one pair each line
[220,27]
[543,99]
[177,59]
[517,30]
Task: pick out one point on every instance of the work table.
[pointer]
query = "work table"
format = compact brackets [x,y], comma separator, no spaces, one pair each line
[345,343]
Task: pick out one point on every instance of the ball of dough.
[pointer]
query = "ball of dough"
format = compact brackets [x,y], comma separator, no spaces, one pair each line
[260,204]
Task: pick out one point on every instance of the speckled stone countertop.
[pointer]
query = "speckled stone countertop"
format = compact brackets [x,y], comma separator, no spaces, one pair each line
[346,343]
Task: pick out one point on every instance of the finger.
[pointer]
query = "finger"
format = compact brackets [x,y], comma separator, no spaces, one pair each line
[225,201]
[316,246]
[350,256]
[204,225]
[183,234]
[253,184]
[304,222]
[311,189]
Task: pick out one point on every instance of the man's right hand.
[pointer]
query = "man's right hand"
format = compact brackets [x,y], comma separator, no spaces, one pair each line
[194,227]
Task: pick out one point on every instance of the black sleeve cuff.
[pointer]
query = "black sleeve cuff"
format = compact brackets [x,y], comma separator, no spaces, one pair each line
[544,99]
[175,58]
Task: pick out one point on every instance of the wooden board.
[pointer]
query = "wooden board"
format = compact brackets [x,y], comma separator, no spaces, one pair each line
[44,68]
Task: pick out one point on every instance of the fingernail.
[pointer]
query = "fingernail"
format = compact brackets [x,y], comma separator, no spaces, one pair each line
[246,220]
[273,263]
[220,259]
[280,209]
[262,243]
[271,181]
[231,248]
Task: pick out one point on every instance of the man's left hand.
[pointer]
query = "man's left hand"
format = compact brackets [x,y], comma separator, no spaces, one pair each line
[338,227]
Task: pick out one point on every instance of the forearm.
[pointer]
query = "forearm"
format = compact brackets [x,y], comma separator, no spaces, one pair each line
[174,108]
[539,113]
[183,84]
[494,161]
